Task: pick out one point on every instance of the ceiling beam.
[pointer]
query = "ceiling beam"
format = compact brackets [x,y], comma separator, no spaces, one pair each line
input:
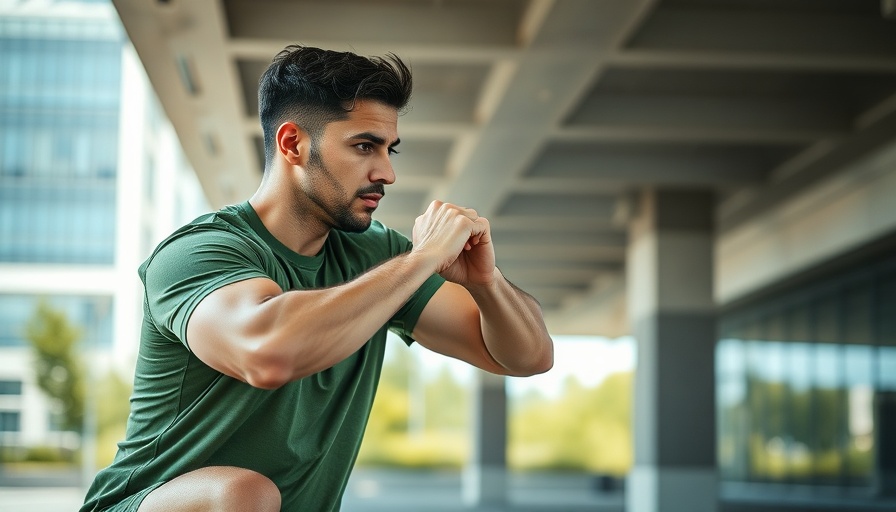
[770,28]
[181,46]
[713,58]
[545,87]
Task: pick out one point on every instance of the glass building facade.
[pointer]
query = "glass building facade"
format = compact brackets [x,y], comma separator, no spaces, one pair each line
[60,95]
[59,109]
[92,316]
[806,384]
[74,226]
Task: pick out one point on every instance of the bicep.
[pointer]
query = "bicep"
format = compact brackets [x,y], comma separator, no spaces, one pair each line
[450,325]
[228,324]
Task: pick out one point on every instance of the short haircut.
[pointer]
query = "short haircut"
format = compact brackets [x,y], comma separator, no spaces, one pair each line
[312,87]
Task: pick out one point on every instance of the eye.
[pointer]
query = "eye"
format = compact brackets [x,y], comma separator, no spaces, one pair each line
[365,147]
[393,151]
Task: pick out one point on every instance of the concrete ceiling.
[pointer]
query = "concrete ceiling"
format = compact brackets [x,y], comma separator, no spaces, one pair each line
[547,115]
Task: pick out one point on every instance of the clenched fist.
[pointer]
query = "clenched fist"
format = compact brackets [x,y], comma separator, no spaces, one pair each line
[459,242]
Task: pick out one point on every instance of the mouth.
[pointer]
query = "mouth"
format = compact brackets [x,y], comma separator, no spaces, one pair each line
[371,200]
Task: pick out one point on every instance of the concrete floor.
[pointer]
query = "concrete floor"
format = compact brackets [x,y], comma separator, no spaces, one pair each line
[413,491]
[380,491]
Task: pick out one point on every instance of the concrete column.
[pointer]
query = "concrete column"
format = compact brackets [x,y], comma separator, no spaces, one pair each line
[672,315]
[485,477]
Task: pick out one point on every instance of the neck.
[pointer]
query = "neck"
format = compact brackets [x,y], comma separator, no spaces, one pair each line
[287,217]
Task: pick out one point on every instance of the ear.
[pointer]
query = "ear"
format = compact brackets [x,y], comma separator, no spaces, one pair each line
[293,143]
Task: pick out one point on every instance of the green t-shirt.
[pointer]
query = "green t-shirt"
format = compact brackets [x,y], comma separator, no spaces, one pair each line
[185,415]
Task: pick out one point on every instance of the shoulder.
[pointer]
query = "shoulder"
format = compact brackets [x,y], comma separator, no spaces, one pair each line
[206,239]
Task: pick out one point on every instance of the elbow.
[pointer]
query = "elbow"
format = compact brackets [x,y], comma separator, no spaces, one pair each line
[265,370]
[265,381]
[544,358]
[540,363]
[545,364]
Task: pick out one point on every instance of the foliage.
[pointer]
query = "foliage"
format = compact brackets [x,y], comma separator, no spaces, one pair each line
[39,454]
[448,404]
[62,377]
[585,429]
[443,442]
[60,372]
[112,395]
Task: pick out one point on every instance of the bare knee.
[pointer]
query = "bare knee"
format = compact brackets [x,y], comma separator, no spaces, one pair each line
[218,489]
[246,490]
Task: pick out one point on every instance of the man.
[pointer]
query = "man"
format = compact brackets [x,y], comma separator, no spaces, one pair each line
[265,322]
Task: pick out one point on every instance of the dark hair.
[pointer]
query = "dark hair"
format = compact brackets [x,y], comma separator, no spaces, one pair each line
[313,87]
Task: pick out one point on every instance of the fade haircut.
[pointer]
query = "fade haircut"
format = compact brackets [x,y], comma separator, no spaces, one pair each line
[312,87]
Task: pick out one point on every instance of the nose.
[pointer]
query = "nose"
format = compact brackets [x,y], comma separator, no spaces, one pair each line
[383,172]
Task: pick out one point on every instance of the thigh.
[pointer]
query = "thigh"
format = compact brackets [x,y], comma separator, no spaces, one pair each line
[215,488]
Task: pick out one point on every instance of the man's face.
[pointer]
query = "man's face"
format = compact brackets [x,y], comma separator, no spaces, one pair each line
[348,168]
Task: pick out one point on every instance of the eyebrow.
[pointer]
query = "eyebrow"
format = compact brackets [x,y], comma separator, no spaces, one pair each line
[376,139]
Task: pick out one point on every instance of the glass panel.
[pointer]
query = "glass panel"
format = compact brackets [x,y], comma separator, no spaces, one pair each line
[886,312]
[731,401]
[10,421]
[10,387]
[800,417]
[827,320]
[886,368]
[859,438]
[857,315]
[827,396]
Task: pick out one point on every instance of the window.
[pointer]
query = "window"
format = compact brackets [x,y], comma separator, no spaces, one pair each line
[800,379]
[10,421]
[10,387]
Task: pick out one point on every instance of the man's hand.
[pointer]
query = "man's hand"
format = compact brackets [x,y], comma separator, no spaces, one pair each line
[459,241]
[478,316]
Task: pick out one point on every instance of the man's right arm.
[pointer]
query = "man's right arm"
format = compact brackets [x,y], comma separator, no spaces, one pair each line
[255,332]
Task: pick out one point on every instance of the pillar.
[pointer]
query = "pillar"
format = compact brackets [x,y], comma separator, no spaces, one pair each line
[485,477]
[672,316]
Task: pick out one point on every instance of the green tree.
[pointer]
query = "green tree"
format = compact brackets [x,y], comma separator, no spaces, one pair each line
[111,395]
[583,429]
[447,403]
[60,372]
[442,443]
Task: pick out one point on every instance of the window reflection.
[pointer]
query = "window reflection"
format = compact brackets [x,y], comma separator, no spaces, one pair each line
[801,382]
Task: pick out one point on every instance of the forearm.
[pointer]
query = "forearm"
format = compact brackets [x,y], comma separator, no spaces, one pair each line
[308,331]
[513,327]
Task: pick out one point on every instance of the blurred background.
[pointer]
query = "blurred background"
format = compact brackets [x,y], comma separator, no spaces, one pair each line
[700,193]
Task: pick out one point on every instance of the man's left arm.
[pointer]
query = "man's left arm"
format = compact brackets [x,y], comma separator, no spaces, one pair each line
[498,328]
[478,316]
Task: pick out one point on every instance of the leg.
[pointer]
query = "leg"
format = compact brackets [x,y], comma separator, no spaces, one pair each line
[216,488]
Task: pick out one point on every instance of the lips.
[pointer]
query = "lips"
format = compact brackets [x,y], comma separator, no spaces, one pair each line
[371,200]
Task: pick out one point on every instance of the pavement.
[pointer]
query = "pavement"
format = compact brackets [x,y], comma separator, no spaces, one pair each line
[40,499]
[372,490]
[414,491]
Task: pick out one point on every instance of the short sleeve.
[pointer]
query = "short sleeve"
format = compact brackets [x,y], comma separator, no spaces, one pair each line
[404,321]
[186,269]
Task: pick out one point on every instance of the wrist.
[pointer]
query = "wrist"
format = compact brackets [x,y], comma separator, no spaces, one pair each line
[422,259]
[486,287]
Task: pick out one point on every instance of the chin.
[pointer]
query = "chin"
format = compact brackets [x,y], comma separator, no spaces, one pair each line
[356,225]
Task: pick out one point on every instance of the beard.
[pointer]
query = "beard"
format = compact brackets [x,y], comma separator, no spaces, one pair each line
[331,197]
